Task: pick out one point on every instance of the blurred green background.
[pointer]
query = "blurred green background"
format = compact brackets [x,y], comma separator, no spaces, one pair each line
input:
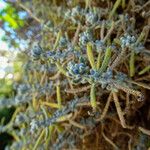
[12,20]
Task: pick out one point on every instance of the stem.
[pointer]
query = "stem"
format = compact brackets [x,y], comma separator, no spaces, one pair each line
[99,59]
[57,39]
[106,60]
[39,140]
[59,99]
[132,64]
[61,69]
[119,111]
[106,107]
[119,59]
[146,69]
[53,105]
[93,97]
[116,5]
[91,56]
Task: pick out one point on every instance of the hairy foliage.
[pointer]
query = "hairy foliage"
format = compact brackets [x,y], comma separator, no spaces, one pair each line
[82,85]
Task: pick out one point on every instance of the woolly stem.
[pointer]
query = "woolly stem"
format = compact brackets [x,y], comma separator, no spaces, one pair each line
[116,5]
[106,60]
[59,99]
[132,64]
[93,97]
[91,56]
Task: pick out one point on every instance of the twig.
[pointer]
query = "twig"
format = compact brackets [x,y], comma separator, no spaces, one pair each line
[43,77]
[76,35]
[109,32]
[141,84]
[55,76]
[142,7]
[130,140]
[30,13]
[138,94]
[108,140]
[102,30]
[119,111]
[119,59]
[105,108]
[76,124]
[78,90]
[145,131]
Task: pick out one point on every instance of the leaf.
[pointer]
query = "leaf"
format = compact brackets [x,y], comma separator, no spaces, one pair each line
[91,56]
[106,60]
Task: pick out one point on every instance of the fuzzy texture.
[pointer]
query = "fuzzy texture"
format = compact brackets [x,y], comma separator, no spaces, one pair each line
[86,47]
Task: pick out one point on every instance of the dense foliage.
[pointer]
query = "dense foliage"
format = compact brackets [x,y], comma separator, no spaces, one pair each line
[85,77]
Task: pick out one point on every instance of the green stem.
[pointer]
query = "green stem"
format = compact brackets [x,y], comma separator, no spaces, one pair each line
[106,60]
[61,69]
[93,97]
[116,5]
[59,99]
[147,68]
[39,140]
[51,128]
[57,39]
[91,56]
[99,59]
[132,64]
